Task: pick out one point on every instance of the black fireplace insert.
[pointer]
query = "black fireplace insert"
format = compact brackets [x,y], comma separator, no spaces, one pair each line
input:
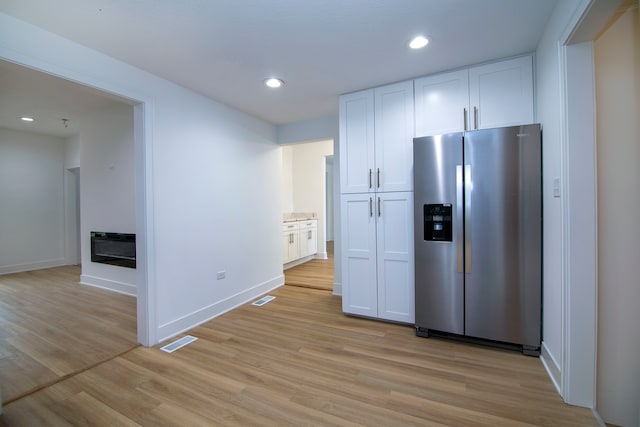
[113,248]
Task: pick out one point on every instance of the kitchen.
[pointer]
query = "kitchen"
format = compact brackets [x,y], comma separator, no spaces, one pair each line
[549,102]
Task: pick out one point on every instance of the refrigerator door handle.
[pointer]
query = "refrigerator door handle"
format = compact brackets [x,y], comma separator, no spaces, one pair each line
[468,185]
[458,217]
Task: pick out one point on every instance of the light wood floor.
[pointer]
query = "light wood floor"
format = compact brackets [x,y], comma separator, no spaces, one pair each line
[299,361]
[315,274]
[51,327]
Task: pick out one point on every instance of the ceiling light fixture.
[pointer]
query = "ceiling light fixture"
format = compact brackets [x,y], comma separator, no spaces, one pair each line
[273,82]
[26,119]
[418,42]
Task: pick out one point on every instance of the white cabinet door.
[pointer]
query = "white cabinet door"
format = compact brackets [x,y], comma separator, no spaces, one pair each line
[358,231]
[286,241]
[501,94]
[394,132]
[395,257]
[377,256]
[308,238]
[290,242]
[442,103]
[290,246]
[356,120]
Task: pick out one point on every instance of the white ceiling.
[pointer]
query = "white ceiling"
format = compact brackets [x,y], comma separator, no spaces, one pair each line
[320,48]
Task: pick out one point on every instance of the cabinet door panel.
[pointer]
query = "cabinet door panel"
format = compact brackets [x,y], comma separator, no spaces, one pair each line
[356,142]
[502,92]
[394,137]
[395,257]
[286,242]
[308,241]
[359,284]
[441,101]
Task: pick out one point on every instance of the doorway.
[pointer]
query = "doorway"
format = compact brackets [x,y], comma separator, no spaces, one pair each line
[308,187]
[54,326]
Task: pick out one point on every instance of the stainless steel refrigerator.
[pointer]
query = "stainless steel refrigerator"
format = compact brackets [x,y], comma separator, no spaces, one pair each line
[478,235]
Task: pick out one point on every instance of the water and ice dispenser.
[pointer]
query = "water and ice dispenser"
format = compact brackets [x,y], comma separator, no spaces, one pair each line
[438,222]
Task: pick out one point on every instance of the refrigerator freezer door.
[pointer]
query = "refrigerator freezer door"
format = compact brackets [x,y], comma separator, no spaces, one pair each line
[503,228]
[438,255]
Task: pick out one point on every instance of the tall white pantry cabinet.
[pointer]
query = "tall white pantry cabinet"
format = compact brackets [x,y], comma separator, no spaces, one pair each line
[376,161]
[377,127]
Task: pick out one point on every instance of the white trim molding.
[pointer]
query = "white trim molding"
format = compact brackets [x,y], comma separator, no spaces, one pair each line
[578,366]
[37,265]
[552,367]
[110,285]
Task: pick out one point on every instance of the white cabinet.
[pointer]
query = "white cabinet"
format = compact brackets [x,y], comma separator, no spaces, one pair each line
[377,255]
[308,237]
[486,96]
[376,177]
[376,139]
[299,240]
[356,142]
[442,103]
[290,242]
[501,93]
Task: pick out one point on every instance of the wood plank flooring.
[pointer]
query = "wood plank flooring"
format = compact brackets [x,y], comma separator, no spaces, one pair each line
[315,274]
[51,327]
[299,361]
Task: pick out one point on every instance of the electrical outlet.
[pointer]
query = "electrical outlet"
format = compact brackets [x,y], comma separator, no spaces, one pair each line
[221,275]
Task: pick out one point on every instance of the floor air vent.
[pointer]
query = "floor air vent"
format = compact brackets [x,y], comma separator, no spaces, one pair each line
[170,348]
[262,301]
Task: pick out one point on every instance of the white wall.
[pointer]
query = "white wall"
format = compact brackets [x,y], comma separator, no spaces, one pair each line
[107,196]
[549,114]
[72,152]
[330,199]
[287,178]
[309,130]
[210,186]
[617,63]
[32,221]
[72,199]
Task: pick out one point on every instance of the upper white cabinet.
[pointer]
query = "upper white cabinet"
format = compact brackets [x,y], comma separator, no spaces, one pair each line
[394,116]
[376,137]
[442,103]
[501,93]
[356,142]
[486,96]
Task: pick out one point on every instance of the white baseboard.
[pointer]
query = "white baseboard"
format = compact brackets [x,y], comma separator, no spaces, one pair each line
[337,289]
[297,262]
[110,285]
[598,417]
[321,255]
[552,367]
[198,317]
[38,265]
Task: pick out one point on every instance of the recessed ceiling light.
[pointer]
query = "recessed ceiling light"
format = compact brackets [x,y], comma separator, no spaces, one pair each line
[418,42]
[273,82]
[27,119]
